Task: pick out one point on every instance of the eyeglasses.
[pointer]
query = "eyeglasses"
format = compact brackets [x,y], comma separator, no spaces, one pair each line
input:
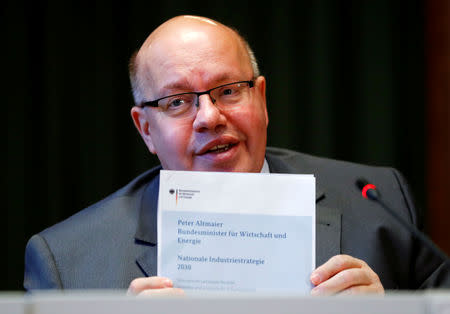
[183,105]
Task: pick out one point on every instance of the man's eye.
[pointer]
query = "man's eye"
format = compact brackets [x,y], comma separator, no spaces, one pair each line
[228,91]
[176,103]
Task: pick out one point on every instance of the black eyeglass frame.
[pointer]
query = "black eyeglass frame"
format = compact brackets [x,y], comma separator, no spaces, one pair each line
[154,103]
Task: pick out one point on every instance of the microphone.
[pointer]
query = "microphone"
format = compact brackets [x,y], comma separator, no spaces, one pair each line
[370,192]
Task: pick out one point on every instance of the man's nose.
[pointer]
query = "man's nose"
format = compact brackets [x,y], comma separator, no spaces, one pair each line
[208,117]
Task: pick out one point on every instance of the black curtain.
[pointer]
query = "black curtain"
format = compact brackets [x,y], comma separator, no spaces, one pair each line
[345,80]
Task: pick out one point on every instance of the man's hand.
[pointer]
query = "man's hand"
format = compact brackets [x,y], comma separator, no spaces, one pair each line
[343,274]
[153,286]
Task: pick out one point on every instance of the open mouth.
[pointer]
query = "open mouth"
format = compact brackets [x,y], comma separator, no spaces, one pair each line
[220,148]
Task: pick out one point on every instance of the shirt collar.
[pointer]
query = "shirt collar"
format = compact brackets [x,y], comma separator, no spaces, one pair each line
[265,168]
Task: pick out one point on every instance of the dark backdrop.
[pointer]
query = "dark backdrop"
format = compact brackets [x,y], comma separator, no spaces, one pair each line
[345,80]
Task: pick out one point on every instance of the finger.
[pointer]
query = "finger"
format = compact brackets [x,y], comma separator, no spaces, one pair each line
[141,284]
[343,280]
[333,266]
[161,292]
[370,289]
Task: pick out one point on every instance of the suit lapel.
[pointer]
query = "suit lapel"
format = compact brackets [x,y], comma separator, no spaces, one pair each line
[328,233]
[147,261]
[146,232]
[328,220]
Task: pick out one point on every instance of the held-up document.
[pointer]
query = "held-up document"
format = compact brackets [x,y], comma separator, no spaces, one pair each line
[237,232]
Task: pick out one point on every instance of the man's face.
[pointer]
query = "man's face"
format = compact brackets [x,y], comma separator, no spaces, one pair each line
[198,58]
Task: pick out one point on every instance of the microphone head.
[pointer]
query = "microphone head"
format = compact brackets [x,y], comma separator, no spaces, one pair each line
[367,189]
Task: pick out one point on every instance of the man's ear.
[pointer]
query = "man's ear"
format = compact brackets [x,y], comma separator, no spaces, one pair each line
[140,119]
[260,85]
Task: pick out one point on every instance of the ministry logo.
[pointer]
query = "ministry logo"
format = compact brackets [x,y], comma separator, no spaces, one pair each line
[183,194]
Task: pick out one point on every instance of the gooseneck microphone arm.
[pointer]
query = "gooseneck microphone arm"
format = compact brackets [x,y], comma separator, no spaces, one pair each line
[369,191]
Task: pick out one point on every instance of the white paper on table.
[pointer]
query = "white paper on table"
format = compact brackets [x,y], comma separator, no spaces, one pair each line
[236,231]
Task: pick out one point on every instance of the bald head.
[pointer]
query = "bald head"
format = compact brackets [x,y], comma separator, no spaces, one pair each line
[188,37]
[182,26]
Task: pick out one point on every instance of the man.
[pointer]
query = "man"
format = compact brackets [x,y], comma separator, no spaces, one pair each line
[201,105]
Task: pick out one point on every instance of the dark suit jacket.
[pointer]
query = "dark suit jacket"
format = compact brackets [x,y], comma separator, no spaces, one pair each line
[114,241]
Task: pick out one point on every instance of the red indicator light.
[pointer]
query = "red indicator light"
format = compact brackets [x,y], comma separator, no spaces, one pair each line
[367,187]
